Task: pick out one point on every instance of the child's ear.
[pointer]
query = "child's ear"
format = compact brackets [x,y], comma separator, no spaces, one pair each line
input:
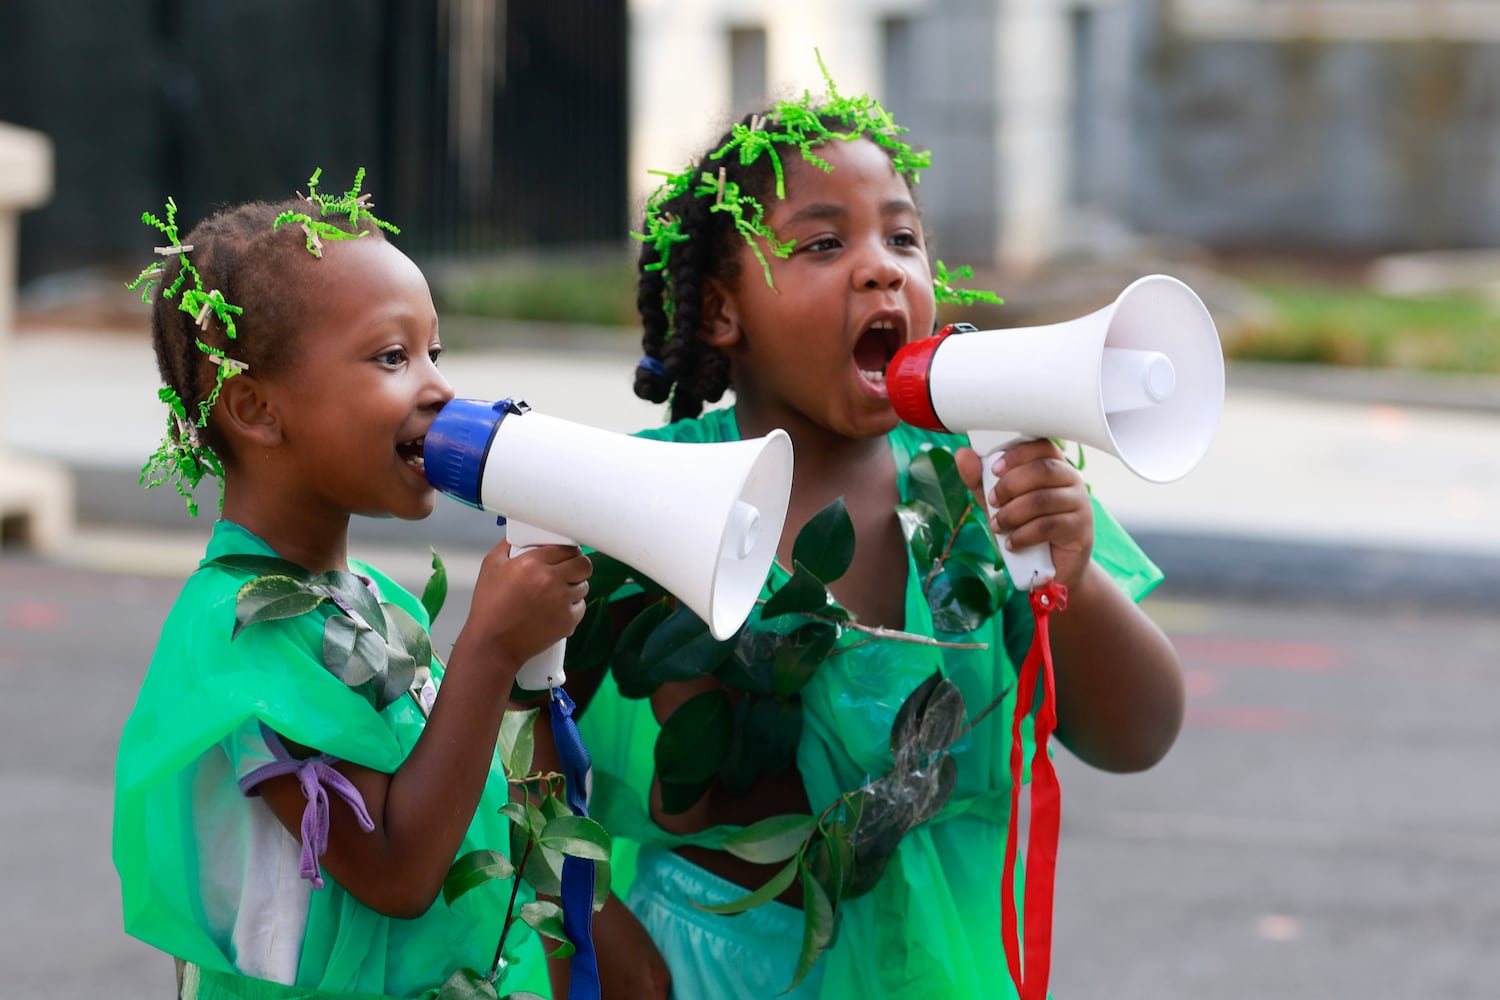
[246,413]
[719,326]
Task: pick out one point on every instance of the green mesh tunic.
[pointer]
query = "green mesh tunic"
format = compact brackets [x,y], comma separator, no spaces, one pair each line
[931,927]
[202,690]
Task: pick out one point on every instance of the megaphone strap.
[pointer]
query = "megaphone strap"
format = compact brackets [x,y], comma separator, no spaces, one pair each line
[1031,975]
[577,873]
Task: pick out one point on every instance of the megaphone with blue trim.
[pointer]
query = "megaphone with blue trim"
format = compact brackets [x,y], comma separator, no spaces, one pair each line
[701,520]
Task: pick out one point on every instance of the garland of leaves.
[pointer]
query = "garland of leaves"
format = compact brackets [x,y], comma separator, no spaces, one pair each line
[793,125]
[841,852]
[380,651]
[181,458]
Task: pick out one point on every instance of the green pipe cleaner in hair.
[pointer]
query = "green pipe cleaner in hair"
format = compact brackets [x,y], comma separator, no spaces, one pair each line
[792,125]
[181,458]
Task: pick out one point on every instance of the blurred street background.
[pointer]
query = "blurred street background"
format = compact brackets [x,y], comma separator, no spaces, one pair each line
[1325,173]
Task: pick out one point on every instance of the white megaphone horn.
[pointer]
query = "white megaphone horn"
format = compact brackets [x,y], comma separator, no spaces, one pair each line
[701,520]
[1142,378]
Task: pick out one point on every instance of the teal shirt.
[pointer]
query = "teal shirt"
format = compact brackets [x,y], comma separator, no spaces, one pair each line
[203,686]
[931,927]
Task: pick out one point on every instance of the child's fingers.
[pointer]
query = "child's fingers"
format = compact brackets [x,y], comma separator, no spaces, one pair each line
[1039,473]
[1043,504]
[1068,527]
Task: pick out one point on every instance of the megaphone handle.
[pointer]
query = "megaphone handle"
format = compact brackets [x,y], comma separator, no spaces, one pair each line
[1028,567]
[543,671]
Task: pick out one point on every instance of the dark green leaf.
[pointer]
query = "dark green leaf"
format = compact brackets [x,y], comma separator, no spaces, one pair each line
[261,566]
[766,731]
[630,672]
[694,739]
[748,668]
[679,798]
[466,984]
[934,479]
[799,655]
[473,870]
[770,840]
[804,593]
[546,918]
[517,742]
[878,830]
[576,836]
[923,527]
[519,816]
[543,870]
[353,598]
[964,595]
[592,642]
[400,674]
[269,598]
[825,545]
[817,928]
[778,884]
[682,649]
[435,594]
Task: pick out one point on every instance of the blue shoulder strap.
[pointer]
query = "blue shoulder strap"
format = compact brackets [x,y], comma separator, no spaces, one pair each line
[577,873]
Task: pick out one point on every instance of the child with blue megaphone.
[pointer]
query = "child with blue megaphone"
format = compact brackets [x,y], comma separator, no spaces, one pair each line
[824,804]
[301,770]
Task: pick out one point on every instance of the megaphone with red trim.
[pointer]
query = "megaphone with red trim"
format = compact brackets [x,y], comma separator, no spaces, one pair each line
[1142,379]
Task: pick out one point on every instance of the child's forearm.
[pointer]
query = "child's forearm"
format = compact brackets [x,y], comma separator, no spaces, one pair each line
[1119,682]
[422,811]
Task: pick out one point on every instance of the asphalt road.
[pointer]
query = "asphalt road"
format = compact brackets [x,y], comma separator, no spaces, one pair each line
[1328,825]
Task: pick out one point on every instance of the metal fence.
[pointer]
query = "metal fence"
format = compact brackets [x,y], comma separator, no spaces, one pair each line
[484,125]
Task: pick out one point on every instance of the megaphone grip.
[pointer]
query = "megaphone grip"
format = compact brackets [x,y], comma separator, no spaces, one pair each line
[1031,566]
[543,671]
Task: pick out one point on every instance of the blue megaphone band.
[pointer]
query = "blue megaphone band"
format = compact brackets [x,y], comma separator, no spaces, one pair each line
[458,443]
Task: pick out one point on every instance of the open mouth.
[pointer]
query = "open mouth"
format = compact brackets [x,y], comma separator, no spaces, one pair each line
[411,453]
[876,346]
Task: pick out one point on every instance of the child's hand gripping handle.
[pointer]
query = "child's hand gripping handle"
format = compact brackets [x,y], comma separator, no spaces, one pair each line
[1029,567]
[545,670]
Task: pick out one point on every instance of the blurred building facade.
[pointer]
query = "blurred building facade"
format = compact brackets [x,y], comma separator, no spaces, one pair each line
[1339,126]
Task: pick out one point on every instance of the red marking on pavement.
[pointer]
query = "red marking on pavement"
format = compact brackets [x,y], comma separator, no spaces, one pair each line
[34,615]
[1243,718]
[1310,657]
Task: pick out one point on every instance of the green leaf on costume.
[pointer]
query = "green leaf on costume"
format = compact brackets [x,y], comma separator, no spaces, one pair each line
[682,649]
[804,593]
[694,739]
[543,869]
[799,655]
[466,984]
[435,594]
[818,926]
[473,870]
[631,672]
[353,598]
[410,648]
[770,840]
[966,593]
[270,598]
[517,742]
[825,545]
[679,798]
[934,479]
[546,918]
[925,532]
[577,837]
[778,884]
[764,742]
[261,566]
[356,655]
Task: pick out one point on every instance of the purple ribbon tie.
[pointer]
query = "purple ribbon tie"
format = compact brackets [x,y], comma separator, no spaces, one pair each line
[316,775]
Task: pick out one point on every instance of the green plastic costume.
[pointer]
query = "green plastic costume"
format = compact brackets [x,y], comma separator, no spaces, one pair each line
[201,688]
[931,926]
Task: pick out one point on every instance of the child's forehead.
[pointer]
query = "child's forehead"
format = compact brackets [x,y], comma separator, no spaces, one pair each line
[859,168]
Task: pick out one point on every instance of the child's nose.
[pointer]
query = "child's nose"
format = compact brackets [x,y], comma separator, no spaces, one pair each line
[878,269]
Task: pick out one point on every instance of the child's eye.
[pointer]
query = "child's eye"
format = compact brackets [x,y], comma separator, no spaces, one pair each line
[394,358]
[433,353]
[904,239]
[821,244]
